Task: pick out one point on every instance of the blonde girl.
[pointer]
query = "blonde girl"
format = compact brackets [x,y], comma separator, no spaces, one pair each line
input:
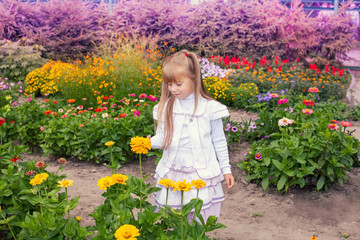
[190,131]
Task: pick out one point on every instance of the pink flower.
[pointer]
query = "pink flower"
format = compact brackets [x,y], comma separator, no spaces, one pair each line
[333,126]
[282,101]
[64,116]
[41,128]
[29,99]
[334,121]
[307,111]
[132,95]
[143,95]
[80,107]
[152,98]
[345,124]
[137,113]
[30,173]
[313,89]
[274,95]
[258,156]
[228,127]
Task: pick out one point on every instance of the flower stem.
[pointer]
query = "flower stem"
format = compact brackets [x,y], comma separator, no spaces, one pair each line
[182,220]
[12,233]
[67,199]
[112,162]
[141,180]
[167,195]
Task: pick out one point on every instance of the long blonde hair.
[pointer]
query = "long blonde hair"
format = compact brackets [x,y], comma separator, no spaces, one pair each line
[180,65]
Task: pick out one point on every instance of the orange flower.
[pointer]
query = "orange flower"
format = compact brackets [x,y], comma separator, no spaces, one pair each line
[48,112]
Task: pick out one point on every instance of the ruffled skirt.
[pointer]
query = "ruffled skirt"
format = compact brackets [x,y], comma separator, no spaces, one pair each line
[183,169]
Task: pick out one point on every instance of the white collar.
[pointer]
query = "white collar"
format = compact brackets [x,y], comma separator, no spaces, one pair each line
[201,107]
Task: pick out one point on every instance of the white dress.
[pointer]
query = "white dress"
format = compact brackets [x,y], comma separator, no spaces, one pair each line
[184,166]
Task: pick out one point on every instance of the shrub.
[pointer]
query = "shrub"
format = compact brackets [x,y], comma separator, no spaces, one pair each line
[19,58]
[302,150]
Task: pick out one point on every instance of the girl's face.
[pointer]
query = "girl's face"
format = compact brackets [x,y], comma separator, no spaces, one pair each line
[181,89]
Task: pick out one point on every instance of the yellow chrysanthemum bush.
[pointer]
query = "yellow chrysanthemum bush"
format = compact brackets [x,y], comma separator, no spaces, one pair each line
[220,89]
[120,66]
[126,194]
[244,92]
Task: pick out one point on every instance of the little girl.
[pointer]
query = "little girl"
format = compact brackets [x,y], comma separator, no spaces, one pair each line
[190,130]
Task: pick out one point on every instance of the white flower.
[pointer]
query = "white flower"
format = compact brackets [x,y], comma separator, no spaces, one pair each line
[60,110]
[284,122]
[105,115]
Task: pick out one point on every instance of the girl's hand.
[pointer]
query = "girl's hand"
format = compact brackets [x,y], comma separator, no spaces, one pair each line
[230,180]
[149,137]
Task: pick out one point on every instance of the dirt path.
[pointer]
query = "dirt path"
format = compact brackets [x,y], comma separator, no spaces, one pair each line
[248,212]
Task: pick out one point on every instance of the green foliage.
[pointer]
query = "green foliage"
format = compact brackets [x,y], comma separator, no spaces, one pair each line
[19,58]
[306,152]
[33,212]
[165,223]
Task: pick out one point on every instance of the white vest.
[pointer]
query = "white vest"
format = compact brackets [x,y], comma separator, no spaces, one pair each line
[199,130]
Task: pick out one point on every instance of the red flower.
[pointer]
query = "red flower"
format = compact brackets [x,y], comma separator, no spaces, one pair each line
[40,164]
[285,61]
[12,122]
[122,115]
[30,173]
[308,102]
[327,68]
[226,60]
[2,121]
[46,100]
[48,112]
[143,95]
[334,121]
[106,98]
[97,109]
[137,105]
[279,68]
[276,60]
[15,158]
[269,69]
[298,60]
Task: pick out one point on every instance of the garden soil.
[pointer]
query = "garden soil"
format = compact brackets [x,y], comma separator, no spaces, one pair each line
[248,212]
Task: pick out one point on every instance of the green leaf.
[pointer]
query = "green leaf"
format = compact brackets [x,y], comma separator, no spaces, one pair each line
[277,164]
[320,183]
[265,183]
[281,182]
[267,161]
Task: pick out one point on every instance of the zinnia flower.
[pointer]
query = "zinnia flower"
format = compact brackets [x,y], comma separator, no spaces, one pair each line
[40,164]
[105,115]
[167,183]
[48,112]
[78,218]
[198,183]
[308,102]
[282,101]
[109,143]
[345,124]
[119,178]
[334,121]
[143,95]
[65,183]
[140,145]
[105,182]
[313,238]
[15,158]
[2,121]
[122,115]
[39,178]
[61,160]
[127,232]
[258,156]
[105,98]
[182,186]
[136,113]
[132,95]
[152,98]
[313,90]
[307,111]
[284,122]
[333,126]
[97,109]
[274,95]
[30,173]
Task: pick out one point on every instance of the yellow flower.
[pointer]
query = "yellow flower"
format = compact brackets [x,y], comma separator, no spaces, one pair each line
[198,183]
[313,238]
[182,186]
[109,144]
[39,178]
[105,182]
[65,183]
[140,145]
[8,97]
[127,232]
[78,219]
[167,183]
[119,178]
